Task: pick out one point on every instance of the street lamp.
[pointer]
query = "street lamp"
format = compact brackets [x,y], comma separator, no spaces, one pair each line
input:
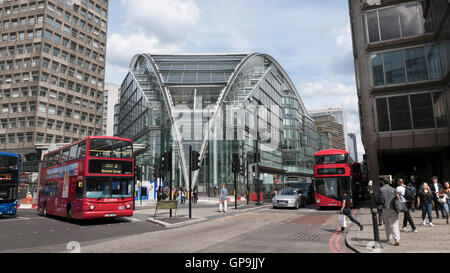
[376,232]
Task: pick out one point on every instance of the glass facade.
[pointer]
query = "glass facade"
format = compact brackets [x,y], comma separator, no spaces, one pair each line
[396,22]
[406,65]
[412,112]
[221,105]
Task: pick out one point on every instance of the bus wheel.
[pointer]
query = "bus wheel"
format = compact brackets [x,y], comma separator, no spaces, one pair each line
[69,214]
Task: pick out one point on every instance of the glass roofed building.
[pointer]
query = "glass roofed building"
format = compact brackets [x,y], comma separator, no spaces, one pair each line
[224,106]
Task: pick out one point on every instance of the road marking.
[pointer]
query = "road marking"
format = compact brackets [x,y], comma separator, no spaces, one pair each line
[338,237]
[14,220]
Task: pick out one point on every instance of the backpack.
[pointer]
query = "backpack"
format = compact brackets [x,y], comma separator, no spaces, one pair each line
[379,199]
[409,196]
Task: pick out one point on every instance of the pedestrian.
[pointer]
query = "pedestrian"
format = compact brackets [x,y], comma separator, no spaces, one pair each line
[425,198]
[435,189]
[390,216]
[223,198]
[183,196]
[179,195]
[444,199]
[195,194]
[159,194]
[406,196]
[345,209]
[414,192]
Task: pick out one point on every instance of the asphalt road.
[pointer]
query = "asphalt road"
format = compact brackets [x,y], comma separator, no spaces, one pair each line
[264,230]
[30,232]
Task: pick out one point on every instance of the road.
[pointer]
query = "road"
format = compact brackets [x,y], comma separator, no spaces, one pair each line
[264,230]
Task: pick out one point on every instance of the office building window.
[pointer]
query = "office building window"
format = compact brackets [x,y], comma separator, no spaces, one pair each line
[400,113]
[416,64]
[394,67]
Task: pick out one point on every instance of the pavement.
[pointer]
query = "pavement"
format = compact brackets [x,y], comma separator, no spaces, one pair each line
[426,240]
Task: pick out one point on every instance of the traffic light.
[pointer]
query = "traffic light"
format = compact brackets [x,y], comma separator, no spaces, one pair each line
[195,161]
[242,170]
[236,165]
[137,172]
[156,172]
[257,157]
[166,162]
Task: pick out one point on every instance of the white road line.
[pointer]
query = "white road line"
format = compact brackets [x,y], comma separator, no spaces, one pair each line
[14,220]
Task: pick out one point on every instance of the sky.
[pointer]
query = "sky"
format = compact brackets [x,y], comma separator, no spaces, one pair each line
[310,39]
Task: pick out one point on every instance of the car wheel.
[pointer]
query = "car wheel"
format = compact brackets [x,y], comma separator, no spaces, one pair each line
[274,207]
[297,205]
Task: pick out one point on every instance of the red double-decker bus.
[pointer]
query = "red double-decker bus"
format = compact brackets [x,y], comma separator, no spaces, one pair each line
[332,173]
[91,178]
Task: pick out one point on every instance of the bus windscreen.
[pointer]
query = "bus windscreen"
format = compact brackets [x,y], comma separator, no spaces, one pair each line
[110,148]
[8,178]
[331,159]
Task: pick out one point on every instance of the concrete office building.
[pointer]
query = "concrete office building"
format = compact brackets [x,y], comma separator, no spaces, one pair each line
[338,114]
[352,146]
[110,99]
[402,61]
[224,106]
[52,69]
[333,130]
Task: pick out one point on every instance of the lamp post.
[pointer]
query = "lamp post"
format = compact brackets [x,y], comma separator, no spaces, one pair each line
[376,232]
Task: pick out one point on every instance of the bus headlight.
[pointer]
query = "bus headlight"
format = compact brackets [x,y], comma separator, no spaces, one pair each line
[128,206]
[91,207]
[318,200]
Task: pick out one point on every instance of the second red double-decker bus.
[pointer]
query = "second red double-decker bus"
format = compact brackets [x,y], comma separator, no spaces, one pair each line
[332,173]
[91,178]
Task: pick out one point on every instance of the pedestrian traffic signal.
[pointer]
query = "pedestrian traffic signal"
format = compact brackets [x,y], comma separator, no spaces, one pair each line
[195,161]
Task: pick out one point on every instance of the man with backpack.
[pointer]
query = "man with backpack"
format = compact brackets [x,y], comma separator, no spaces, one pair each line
[406,196]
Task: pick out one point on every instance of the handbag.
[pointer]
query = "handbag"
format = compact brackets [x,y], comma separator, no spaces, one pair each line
[398,205]
[342,221]
[442,200]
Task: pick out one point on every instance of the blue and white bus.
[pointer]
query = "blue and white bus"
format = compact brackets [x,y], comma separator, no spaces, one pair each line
[9,183]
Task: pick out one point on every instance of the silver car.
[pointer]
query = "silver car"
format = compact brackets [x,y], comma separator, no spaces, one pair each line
[289,198]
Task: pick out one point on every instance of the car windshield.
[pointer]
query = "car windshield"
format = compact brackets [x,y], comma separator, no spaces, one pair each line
[110,148]
[108,187]
[288,192]
[304,187]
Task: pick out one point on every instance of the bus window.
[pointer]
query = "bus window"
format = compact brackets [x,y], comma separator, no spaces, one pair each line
[73,152]
[45,162]
[65,155]
[110,148]
[82,150]
[331,159]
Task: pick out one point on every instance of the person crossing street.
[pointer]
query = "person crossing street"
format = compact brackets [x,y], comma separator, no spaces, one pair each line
[406,196]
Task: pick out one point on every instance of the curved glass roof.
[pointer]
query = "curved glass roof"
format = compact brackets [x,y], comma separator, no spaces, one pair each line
[197,69]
